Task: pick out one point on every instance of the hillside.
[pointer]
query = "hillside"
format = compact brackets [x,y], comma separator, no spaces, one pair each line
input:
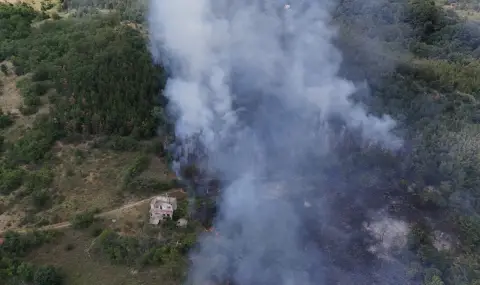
[84,129]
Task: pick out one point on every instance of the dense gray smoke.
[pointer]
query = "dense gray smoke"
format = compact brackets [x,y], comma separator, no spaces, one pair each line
[255,82]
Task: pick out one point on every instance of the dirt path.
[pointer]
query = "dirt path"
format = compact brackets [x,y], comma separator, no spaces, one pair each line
[63,225]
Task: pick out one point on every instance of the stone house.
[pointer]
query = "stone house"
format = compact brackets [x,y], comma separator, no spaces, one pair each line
[162,207]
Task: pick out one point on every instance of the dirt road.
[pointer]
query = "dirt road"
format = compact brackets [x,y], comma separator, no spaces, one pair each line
[63,225]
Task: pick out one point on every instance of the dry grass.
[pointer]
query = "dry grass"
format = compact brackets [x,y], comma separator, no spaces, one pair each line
[82,269]
[84,179]
[158,170]
[34,3]
[11,218]
[89,178]
[130,221]
[468,14]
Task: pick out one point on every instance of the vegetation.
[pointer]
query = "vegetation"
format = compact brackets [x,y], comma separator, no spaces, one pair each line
[35,145]
[6,120]
[433,95]
[83,220]
[138,166]
[16,271]
[169,253]
[101,71]
[93,79]
[96,79]
[11,179]
[129,10]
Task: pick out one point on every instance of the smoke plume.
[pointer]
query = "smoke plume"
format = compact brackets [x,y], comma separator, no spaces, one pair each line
[255,83]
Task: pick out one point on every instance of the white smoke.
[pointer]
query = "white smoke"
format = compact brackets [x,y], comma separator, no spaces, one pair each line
[257,83]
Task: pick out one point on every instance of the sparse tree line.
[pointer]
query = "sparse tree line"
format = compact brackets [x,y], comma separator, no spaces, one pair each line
[14,270]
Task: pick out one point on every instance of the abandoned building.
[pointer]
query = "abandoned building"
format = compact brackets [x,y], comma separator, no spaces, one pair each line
[162,207]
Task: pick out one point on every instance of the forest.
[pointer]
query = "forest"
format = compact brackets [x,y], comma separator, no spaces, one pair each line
[93,72]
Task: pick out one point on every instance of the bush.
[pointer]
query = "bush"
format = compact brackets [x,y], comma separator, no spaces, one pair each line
[83,220]
[2,143]
[14,271]
[41,199]
[470,232]
[117,143]
[34,146]
[55,16]
[26,271]
[31,90]
[10,179]
[19,245]
[151,185]
[96,231]
[48,275]
[128,250]
[139,165]
[4,69]
[6,120]
[38,180]
[69,247]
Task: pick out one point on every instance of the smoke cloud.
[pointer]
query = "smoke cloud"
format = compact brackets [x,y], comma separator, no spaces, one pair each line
[256,84]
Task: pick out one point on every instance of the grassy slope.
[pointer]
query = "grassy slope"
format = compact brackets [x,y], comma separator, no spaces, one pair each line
[85,177]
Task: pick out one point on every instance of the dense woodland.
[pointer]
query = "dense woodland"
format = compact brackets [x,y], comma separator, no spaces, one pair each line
[429,81]
[98,77]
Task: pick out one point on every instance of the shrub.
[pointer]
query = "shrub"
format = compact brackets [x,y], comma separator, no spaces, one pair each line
[96,231]
[19,245]
[28,110]
[38,180]
[4,69]
[41,199]
[48,275]
[6,120]
[117,143]
[26,271]
[36,143]
[55,16]
[83,220]
[139,165]
[10,179]
[2,143]
[69,247]
[31,89]
[151,185]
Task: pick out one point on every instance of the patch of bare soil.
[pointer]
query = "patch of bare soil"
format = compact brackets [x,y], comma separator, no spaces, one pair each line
[37,4]
[10,102]
[10,219]
[11,99]
[87,179]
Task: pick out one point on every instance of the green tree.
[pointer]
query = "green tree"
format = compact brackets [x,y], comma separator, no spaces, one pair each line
[4,69]
[48,275]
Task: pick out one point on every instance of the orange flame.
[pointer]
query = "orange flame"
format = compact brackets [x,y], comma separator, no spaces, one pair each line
[212,229]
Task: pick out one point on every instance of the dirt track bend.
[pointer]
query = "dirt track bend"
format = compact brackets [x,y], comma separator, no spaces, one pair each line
[63,225]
